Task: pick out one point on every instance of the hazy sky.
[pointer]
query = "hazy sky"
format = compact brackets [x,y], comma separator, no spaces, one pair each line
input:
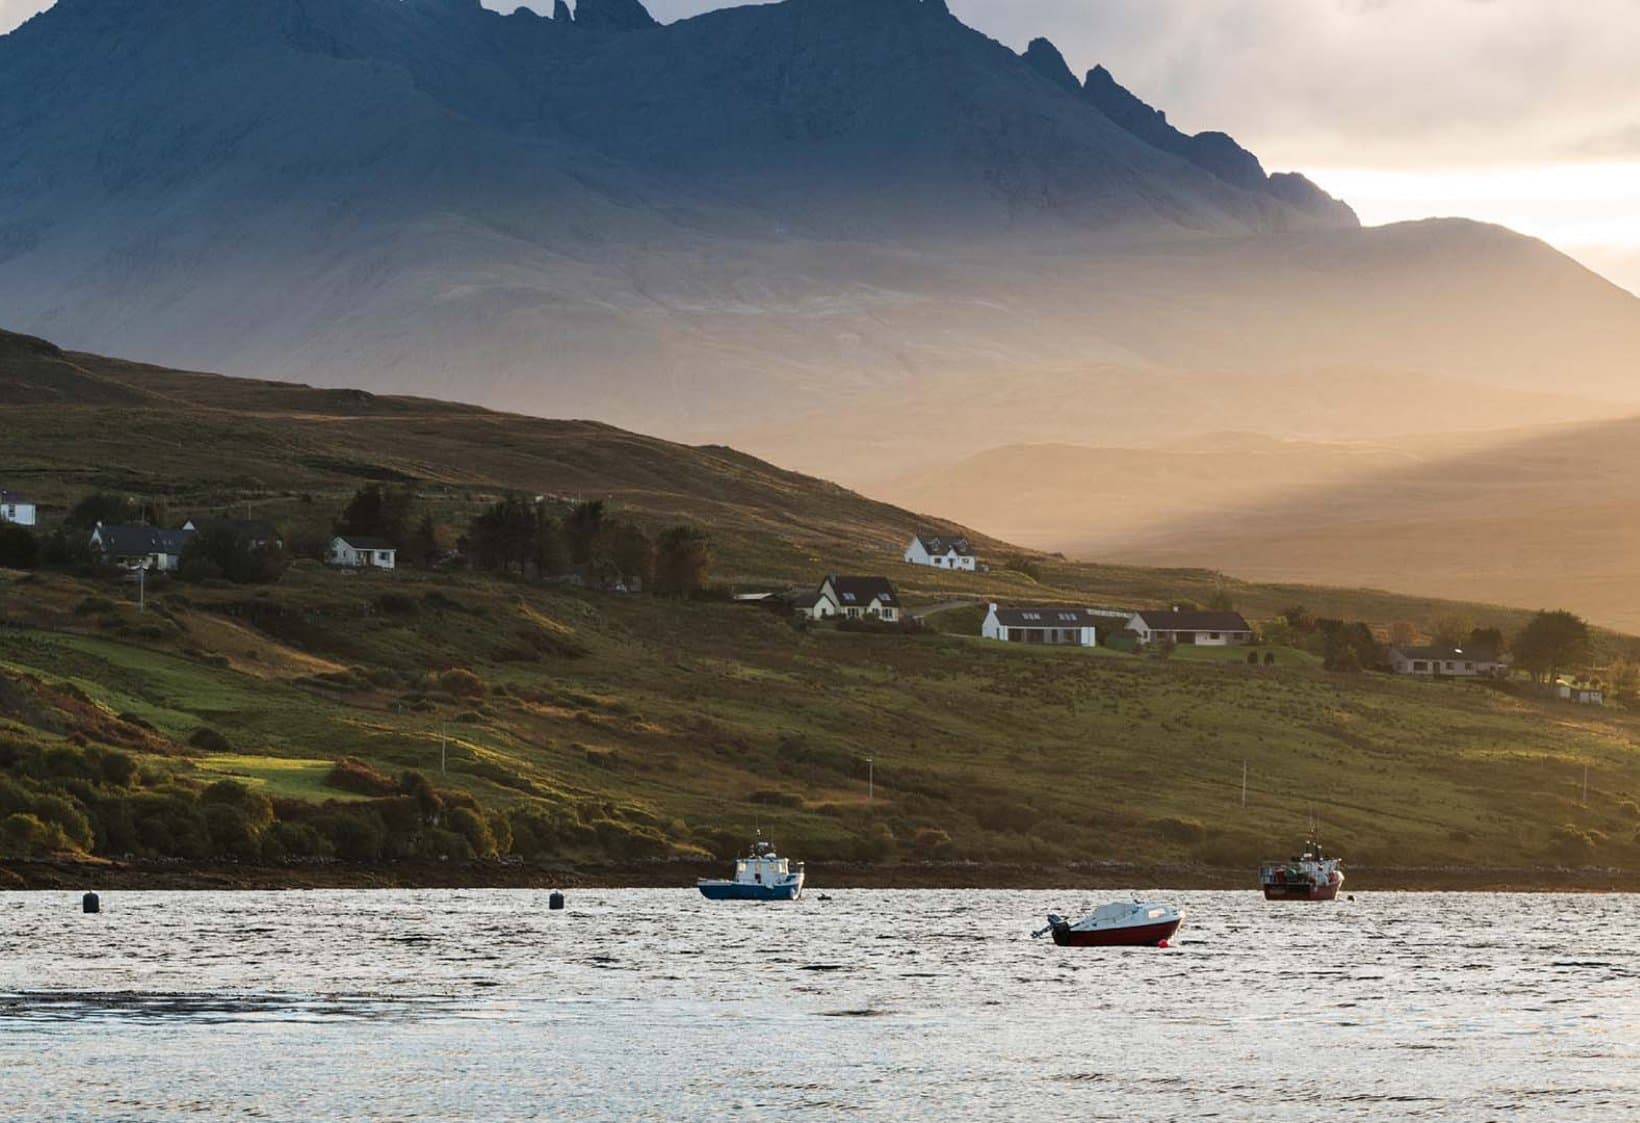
[1525,112]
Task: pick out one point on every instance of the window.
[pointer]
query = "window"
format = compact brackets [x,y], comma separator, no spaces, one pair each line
[1419,665]
[1214,635]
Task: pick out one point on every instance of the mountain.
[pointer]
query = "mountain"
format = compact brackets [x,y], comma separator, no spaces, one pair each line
[1530,518]
[786,225]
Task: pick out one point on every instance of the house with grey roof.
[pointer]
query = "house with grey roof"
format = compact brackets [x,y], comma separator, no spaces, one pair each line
[1050,625]
[357,551]
[941,553]
[1199,629]
[140,547]
[1445,661]
[15,509]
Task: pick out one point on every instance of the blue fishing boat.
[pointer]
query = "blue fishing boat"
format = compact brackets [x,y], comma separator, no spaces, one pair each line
[760,876]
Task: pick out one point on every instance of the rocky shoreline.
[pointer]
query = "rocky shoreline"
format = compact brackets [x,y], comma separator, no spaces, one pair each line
[104,875]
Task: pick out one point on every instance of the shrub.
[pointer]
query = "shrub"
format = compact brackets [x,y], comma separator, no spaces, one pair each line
[463,684]
[475,828]
[210,740]
[350,774]
[23,835]
[19,549]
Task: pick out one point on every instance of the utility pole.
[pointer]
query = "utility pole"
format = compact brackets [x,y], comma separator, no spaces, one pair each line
[443,747]
[871,779]
[142,589]
[1244,785]
[1585,783]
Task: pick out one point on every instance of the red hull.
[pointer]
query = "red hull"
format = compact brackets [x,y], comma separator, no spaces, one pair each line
[1143,936]
[1302,892]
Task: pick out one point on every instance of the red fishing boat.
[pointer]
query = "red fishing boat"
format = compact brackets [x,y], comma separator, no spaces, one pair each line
[1312,876]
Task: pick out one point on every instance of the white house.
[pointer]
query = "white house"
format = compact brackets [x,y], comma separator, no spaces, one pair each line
[854,598]
[15,509]
[1583,695]
[352,551]
[1445,662]
[1201,629]
[1045,625]
[141,547]
[941,553]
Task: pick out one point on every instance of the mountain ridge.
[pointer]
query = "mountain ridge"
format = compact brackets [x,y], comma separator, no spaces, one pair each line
[766,215]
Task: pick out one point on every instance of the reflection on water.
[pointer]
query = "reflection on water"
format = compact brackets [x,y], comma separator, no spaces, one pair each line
[871,1005]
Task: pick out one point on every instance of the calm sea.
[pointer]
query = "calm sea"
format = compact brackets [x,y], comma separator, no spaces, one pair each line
[872,1005]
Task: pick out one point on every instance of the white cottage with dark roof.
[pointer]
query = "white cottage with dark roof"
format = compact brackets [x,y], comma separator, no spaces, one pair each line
[854,598]
[1201,629]
[1051,625]
[15,509]
[941,553]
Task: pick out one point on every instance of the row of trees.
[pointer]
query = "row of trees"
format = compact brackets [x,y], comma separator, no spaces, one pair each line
[514,535]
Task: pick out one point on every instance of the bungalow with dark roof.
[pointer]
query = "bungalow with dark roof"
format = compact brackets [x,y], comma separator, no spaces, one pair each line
[15,509]
[1200,629]
[854,598]
[141,547]
[355,551]
[1050,625]
[1441,661]
[941,553]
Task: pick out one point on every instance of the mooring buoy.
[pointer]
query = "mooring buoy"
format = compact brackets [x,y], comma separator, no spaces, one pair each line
[556,901]
[90,903]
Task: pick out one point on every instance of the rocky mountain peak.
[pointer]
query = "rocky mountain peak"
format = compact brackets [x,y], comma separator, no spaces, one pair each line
[613,15]
[1043,57]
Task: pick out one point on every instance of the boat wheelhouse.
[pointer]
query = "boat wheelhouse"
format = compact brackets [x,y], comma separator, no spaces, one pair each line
[1311,876]
[760,876]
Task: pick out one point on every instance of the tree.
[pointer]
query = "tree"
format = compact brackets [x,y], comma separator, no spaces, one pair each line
[422,546]
[1552,642]
[1486,639]
[1352,648]
[103,507]
[1221,601]
[1403,634]
[581,530]
[1626,682]
[378,512]
[683,560]
[1298,618]
[551,558]
[1451,629]
[504,535]
[632,552]
[222,551]
[19,549]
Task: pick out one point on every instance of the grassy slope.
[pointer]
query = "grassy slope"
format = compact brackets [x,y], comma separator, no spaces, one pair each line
[201,442]
[683,712]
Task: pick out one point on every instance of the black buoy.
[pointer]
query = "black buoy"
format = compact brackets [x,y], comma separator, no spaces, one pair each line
[556,901]
[91,903]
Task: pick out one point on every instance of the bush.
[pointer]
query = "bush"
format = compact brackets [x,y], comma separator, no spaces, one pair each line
[473,827]
[352,775]
[19,549]
[23,835]
[463,684]
[210,740]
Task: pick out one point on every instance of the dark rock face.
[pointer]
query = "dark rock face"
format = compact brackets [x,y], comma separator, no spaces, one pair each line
[1213,152]
[1046,60]
[613,15]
